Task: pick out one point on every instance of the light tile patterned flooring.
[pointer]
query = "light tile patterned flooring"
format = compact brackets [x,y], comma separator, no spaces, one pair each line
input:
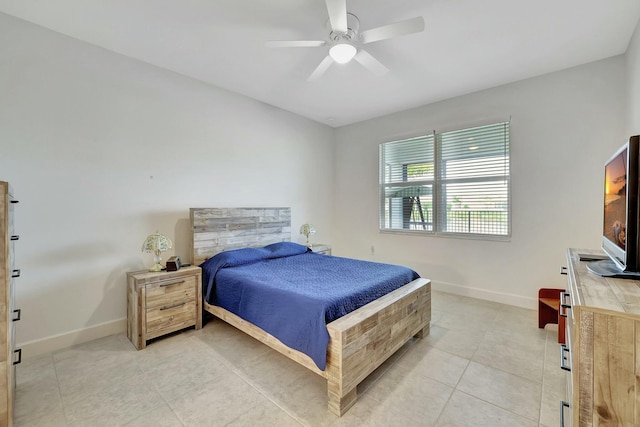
[484,364]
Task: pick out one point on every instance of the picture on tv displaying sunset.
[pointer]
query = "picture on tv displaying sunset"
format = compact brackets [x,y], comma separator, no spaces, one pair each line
[615,200]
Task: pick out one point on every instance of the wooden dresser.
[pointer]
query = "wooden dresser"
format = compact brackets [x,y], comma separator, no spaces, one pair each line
[9,357]
[602,354]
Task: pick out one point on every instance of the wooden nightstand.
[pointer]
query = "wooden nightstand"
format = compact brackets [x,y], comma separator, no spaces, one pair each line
[162,302]
[321,248]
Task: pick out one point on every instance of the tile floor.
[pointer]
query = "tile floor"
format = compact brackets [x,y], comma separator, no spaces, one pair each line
[484,364]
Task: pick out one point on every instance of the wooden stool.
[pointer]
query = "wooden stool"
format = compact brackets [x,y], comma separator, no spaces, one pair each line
[549,310]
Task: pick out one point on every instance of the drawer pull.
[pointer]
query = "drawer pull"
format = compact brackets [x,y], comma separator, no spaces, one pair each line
[563,358]
[19,351]
[15,201]
[173,306]
[563,271]
[15,273]
[563,405]
[171,284]
[18,312]
[15,237]
[564,306]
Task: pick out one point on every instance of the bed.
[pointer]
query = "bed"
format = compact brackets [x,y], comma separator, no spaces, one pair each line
[358,342]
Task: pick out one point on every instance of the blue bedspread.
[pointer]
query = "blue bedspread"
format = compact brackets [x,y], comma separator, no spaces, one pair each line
[293,293]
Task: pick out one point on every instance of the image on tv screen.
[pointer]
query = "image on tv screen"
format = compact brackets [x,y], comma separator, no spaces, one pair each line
[615,200]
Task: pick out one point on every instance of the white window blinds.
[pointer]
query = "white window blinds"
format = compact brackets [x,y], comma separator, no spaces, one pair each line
[453,182]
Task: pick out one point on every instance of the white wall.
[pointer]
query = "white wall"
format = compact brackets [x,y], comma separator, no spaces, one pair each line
[633,78]
[564,126]
[102,150]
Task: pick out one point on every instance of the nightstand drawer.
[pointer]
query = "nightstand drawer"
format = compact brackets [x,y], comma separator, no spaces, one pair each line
[171,317]
[171,292]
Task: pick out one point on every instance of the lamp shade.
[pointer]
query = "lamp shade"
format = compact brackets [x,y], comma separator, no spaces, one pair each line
[156,244]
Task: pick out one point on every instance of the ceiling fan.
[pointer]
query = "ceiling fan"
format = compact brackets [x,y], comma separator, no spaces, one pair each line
[346,41]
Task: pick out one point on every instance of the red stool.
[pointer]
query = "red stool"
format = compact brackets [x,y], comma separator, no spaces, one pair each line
[549,310]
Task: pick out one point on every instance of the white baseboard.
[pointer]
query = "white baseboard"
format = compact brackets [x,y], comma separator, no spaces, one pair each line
[502,298]
[46,345]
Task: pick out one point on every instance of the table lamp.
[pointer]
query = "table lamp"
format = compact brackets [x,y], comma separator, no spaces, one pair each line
[156,243]
[307,230]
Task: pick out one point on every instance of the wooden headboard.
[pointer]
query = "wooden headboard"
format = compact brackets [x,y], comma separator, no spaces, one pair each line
[214,230]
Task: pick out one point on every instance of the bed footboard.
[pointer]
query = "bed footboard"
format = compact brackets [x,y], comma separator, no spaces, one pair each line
[359,341]
[362,340]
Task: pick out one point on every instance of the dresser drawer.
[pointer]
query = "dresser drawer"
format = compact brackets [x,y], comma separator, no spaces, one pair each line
[164,319]
[171,292]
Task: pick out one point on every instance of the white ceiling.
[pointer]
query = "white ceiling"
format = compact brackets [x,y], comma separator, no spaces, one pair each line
[467,45]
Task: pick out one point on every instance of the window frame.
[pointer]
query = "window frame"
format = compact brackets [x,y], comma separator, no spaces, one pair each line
[438,194]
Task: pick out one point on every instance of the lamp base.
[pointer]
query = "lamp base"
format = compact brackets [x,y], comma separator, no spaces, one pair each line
[156,268]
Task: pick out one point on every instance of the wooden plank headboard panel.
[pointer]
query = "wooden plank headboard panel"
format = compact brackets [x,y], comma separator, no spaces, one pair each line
[214,230]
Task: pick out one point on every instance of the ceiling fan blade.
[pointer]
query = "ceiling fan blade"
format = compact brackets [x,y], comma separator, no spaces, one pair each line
[371,63]
[320,69]
[413,25]
[337,15]
[295,43]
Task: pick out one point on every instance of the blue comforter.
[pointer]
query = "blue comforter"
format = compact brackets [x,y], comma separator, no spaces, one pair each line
[293,293]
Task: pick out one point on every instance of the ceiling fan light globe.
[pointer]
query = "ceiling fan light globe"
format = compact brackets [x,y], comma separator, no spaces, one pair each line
[342,52]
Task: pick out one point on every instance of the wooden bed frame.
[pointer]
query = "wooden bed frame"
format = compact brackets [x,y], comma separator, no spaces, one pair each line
[359,342]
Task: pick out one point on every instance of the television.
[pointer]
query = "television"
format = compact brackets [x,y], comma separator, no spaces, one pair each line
[621,219]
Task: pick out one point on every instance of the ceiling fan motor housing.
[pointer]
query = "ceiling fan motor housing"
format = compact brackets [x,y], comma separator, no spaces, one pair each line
[353,26]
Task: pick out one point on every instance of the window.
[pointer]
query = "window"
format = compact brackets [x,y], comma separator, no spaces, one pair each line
[449,183]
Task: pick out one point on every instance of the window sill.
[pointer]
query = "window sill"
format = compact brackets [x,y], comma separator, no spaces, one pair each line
[463,236]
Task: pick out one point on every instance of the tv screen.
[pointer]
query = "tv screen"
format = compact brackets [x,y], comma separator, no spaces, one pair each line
[615,199]
[621,219]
